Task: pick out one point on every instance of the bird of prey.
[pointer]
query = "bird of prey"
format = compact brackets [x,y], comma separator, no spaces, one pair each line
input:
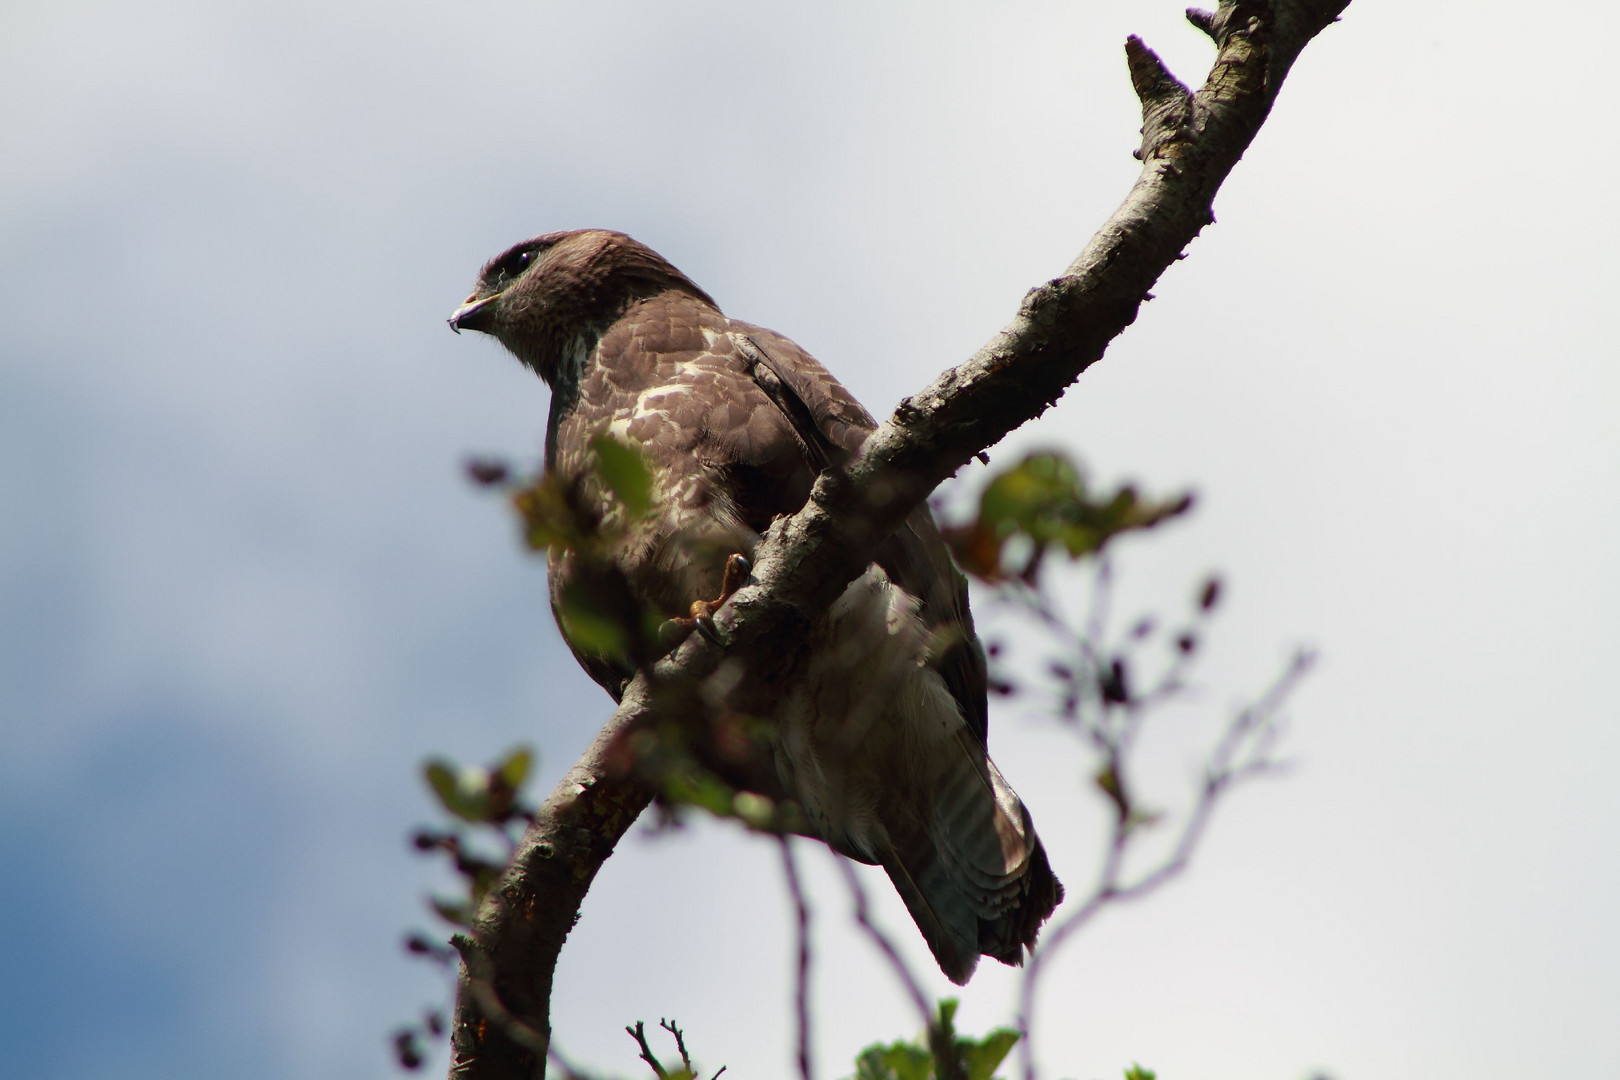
[880,734]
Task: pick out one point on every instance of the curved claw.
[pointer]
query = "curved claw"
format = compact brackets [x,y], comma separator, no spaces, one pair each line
[706,627]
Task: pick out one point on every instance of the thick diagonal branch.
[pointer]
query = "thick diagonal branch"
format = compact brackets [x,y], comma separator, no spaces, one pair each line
[1190,142]
[503,1005]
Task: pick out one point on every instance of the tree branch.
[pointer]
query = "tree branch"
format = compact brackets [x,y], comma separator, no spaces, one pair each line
[1190,142]
[639,1033]
[801,981]
[503,1020]
[680,1043]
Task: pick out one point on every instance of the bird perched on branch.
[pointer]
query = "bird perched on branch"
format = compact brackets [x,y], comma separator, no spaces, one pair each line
[879,736]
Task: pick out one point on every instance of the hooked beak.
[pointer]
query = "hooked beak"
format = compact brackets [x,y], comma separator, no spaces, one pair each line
[473,314]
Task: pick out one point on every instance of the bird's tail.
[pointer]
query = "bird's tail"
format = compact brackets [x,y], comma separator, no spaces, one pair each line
[973,875]
[875,748]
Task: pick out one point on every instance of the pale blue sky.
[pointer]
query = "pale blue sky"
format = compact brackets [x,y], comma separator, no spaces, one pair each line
[244,590]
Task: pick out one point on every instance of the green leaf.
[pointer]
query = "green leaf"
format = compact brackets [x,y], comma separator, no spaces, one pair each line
[514,768]
[982,1058]
[754,810]
[625,473]
[910,1062]
[1032,497]
[700,788]
[915,1061]
[590,631]
[549,516]
[1136,1072]
[441,778]
[869,1065]
[462,792]
[895,1061]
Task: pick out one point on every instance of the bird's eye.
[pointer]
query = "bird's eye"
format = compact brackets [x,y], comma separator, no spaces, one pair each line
[514,264]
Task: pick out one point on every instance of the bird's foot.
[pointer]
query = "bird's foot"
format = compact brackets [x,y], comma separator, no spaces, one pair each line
[701,617]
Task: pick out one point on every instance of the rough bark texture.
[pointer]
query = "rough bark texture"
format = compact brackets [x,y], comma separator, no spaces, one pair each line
[1190,142]
[502,1022]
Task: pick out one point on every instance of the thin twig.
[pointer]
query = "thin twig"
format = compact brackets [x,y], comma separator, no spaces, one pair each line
[902,970]
[802,980]
[680,1043]
[1228,766]
[639,1033]
[1101,593]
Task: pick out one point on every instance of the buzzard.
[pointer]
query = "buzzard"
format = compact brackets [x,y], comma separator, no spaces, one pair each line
[880,734]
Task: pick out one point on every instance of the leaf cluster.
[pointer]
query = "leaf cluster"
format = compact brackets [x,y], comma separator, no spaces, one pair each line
[681,765]
[558,511]
[1044,502]
[475,797]
[484,805]
[591,516]
[481,795]
[941,1053]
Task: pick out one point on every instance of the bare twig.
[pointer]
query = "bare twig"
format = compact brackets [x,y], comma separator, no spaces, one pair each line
[802,979]
[1102,591]
[639,1033]
[902,970]
[1242,753]
[948,1063]
[680,1043]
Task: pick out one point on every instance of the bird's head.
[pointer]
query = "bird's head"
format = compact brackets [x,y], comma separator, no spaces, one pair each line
[548,298]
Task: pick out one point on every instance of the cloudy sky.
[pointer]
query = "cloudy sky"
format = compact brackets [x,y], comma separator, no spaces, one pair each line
[244,589]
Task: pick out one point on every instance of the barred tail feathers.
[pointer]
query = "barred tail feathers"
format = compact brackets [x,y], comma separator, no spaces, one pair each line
[877,751]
